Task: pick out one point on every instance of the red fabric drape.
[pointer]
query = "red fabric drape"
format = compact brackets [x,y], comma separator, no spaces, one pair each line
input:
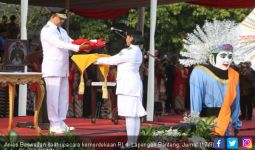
[225,3]
[110,9]
[71,80]
[101,13]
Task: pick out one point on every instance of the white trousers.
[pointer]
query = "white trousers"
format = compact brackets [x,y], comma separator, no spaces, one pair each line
[57,99]
[133,129]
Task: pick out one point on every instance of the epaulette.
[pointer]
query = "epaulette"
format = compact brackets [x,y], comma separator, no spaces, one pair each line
[46,26]
[121,53]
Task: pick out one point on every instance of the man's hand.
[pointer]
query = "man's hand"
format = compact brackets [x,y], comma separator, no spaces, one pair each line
[83,46]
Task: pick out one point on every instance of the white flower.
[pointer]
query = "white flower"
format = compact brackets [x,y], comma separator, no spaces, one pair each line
[191,118]
[166,135]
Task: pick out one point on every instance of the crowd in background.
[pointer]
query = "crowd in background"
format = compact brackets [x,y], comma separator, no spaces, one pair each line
[171,84]
[247,86]
[9,29]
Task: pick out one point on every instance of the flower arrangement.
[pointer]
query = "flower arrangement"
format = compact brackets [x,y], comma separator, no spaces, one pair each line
[193,129]
[166,135]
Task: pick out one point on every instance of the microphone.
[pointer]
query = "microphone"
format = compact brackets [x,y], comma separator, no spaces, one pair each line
[114,29]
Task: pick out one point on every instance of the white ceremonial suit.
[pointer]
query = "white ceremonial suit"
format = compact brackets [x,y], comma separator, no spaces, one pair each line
[129,84]
[55,69]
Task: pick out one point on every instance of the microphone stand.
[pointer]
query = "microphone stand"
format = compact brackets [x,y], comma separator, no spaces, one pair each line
[146,52]
[118,32]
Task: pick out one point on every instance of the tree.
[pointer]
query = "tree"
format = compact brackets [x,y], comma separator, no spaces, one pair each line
[176,20]
[173,23]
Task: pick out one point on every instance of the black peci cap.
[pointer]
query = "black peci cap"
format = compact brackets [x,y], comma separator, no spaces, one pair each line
[60,12]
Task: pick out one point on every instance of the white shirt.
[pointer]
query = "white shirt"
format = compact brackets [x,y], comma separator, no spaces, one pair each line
[128,62]
[55,46]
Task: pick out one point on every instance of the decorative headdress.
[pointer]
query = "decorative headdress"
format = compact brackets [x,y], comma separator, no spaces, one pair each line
[247,38]
[213,37]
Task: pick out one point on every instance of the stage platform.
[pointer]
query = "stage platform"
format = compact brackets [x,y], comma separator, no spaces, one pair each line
[105,129]
[84,126]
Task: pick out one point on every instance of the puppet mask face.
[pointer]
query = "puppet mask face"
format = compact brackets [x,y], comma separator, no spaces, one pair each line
[221,56]
[223,60]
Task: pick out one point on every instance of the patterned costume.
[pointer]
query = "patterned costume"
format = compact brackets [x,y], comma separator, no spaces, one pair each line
[214,87]
[247,39]
[204,100]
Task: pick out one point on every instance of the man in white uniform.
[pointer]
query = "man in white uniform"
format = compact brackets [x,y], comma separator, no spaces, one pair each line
[129,84]
[55,68]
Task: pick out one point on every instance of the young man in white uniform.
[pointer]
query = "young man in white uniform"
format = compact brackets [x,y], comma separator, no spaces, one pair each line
[129,84]
[55,69]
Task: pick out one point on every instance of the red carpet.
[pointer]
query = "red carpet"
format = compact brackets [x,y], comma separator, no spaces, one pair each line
[105,130]
[105,127]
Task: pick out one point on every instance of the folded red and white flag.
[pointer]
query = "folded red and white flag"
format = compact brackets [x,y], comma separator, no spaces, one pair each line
[93,44]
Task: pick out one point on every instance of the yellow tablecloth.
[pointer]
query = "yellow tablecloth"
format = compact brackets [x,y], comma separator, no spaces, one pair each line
[83,61]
